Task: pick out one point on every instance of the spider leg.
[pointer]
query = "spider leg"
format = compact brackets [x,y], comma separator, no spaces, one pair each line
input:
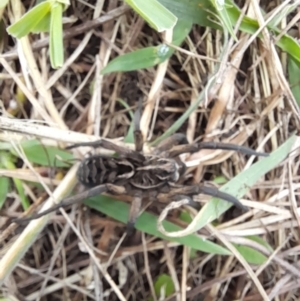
[138,136]
[194,147]
[191,202]
[75,199]
[123,151]
[177,195]
[171,141]
[198,189]
[134,213]
[214,192]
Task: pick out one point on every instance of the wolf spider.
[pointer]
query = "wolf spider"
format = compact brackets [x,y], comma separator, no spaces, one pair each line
[154,176]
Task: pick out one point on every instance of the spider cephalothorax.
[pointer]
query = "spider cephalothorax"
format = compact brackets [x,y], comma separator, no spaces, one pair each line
[154,176]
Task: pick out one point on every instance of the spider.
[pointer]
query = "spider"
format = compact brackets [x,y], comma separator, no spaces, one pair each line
[154,176]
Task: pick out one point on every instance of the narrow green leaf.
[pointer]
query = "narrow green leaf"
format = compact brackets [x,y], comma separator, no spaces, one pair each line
[7,162]
[56,36]
[220,180]
[139,59]
[148,223]
[294,78]
[43,25]
[24,143]
[252,256]
[221,10]
[45,155]
[261,241]
[149,56]
[4,187]
[195,11]
[185,216]
[289,45]
[153,12]
[21,192]
[181,31]
[30,20]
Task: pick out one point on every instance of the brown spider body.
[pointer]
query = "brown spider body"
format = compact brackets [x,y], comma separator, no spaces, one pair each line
[155,176]
[133,168]
[149,176]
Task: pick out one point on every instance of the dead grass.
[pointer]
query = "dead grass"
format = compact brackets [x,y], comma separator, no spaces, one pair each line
[84,256]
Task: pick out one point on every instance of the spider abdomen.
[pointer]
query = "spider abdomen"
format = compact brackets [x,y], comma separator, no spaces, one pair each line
[98,169]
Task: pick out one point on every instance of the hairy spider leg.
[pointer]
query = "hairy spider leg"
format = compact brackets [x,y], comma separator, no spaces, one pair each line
[114,189]
[179,192]
[191,202]
[214,192]
[134,213]
[138,136]
[122,151]
[194,147]
[168,143]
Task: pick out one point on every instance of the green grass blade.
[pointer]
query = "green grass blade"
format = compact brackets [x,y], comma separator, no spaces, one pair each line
[149,56]
[294,78]
[4,187]
[262,242]
[153,12]
[251,255]
[139,59]
[45,155]
[221,9]
[30,20]
[194,11]
[7,161]
[148,223]
[56,45]
[43,25]
[181,31]
[21,192]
